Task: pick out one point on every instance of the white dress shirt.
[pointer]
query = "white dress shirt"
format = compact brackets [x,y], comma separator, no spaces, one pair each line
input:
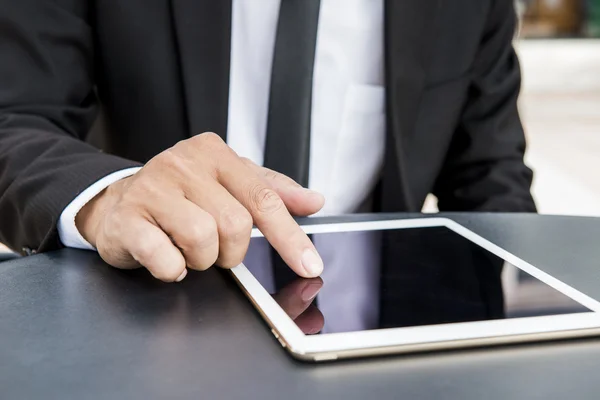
[348,106]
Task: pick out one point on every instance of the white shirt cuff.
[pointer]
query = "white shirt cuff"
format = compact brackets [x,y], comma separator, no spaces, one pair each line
[67,230]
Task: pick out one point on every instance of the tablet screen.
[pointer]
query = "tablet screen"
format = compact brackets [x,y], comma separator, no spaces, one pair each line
[403,278]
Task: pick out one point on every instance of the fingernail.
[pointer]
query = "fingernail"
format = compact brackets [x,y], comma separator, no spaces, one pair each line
[312,192]
[312,263]
[183,274]
[310,291]
[307,191]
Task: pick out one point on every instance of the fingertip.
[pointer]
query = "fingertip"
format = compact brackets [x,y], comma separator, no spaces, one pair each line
[313,195]
[312,263]
[165,262]
[316,199]
[310,290]
[182,276]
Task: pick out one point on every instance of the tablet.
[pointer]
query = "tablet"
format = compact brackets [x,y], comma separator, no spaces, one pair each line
[404,286]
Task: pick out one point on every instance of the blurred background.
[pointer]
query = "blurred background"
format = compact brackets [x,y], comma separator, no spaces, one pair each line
[559,48]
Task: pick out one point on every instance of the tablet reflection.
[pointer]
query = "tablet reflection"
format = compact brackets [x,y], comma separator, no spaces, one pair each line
[297,300]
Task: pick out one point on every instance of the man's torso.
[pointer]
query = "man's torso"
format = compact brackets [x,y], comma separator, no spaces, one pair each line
[163,72]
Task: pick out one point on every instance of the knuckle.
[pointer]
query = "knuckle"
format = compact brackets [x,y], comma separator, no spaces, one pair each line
[142,188]
[144,250]
[208,148]
[200,234]
[208,139]
[171,161]
[265,200]
[270,174]
[235,223]
[275,176]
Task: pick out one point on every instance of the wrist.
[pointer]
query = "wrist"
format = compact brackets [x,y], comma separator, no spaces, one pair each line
[89,217]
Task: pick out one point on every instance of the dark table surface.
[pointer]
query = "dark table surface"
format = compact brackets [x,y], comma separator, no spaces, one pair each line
[73,328]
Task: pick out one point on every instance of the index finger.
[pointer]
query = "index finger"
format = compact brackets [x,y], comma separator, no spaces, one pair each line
[271,216]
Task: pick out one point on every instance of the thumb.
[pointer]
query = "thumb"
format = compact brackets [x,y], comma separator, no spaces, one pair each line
[298,200]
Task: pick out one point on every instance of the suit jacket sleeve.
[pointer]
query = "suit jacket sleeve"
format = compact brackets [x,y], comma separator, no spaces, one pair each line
[484,168]
[47,106]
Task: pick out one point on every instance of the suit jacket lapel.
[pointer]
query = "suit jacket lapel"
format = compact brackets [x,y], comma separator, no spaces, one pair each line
[203,32]
[409,33]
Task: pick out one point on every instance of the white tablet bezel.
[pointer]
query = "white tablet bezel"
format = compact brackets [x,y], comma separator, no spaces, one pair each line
[379,341]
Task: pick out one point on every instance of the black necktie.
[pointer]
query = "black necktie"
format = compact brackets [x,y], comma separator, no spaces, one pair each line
[287,145]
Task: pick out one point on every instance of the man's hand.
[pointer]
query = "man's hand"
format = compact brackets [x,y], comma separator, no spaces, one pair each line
[194,205]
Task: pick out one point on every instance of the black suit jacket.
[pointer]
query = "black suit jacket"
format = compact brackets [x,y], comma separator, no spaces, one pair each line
[159,70]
